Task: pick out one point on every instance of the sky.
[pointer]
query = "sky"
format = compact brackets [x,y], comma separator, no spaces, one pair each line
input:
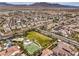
[70,3]
[63,3]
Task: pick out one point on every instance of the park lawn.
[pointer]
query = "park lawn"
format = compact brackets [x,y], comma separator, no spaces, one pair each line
[32,48]
[43,40]
[75,36]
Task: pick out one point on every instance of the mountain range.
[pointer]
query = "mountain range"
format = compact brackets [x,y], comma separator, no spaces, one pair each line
[40,4]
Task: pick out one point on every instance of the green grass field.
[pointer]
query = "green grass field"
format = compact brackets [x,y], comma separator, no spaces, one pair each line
[75,36]
[43,40]
[32,48]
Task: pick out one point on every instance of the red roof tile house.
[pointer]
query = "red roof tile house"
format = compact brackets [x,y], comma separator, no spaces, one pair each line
[47,52]
[64,49]
[10,51]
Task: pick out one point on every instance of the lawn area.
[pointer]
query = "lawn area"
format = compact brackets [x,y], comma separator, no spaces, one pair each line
[43,40]
[75,36]
[32,48]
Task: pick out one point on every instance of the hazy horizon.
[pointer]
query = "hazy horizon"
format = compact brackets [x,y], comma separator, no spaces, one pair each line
[63,3]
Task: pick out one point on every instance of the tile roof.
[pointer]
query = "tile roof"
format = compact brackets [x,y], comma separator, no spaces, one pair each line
[46,52]
[64,49]
[9,51]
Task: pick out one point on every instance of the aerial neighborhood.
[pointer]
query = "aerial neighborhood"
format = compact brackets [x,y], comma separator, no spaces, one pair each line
[39,31]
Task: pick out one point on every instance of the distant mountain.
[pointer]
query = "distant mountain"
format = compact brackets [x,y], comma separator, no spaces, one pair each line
[40,4]
[5,4]
[44,4]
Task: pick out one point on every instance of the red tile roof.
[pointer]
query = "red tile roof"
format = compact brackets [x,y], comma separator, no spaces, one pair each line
[64,49]
[9,51]
[46,52]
